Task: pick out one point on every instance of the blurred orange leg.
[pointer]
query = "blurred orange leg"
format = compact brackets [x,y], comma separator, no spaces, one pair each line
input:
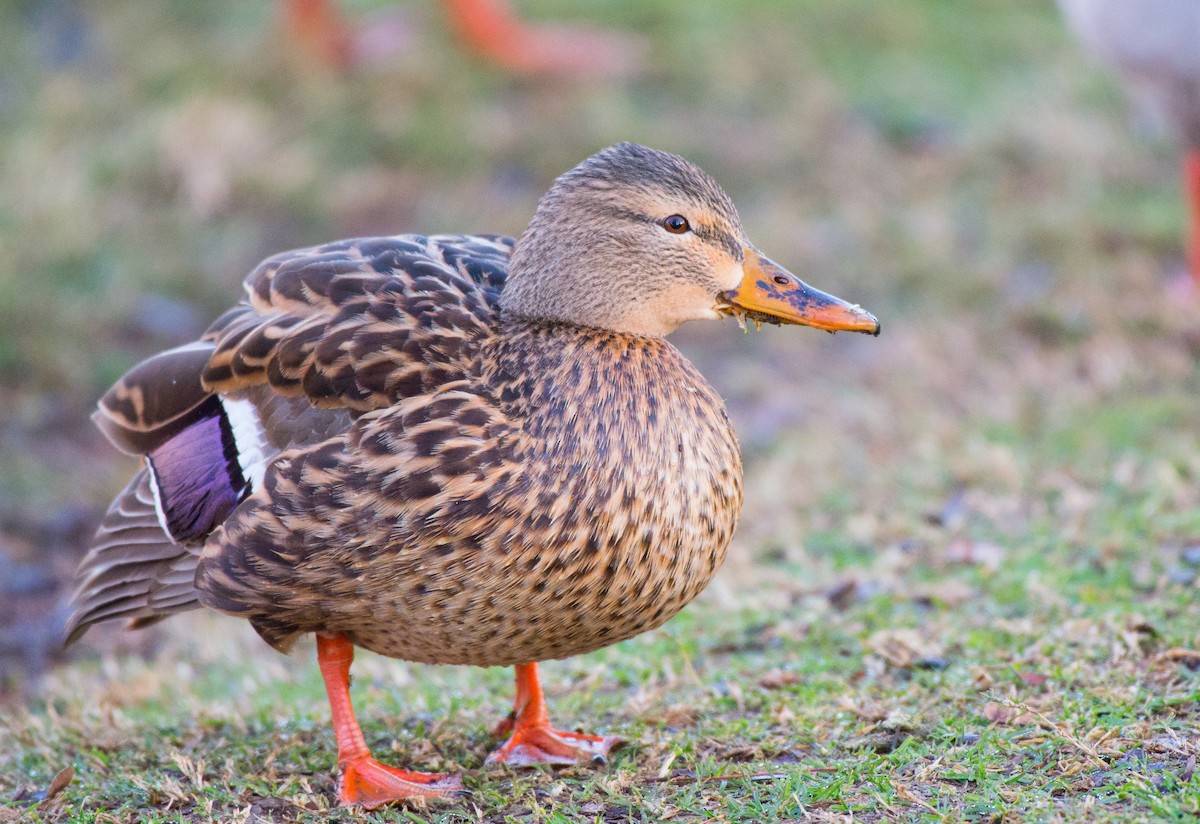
[487,26]
[319,26]
[492,30]
[534,741]
[1191,191]
[364,781]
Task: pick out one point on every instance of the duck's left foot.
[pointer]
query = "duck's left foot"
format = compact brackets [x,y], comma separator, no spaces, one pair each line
[543,744]
[531,738]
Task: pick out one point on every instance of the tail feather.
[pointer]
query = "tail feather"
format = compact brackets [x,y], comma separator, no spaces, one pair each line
[134,569]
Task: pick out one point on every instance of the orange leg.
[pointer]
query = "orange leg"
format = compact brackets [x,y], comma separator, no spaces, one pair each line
[491,29]
[1191,192]
[364,781]
[488,27]
[319,27]
[534,741]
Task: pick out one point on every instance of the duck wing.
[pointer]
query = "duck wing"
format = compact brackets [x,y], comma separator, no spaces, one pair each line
[360,324]
[323,336]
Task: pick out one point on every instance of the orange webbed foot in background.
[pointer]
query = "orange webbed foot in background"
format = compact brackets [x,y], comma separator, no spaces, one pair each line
[533,741]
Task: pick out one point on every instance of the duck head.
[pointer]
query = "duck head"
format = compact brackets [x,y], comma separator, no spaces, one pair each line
[639,241]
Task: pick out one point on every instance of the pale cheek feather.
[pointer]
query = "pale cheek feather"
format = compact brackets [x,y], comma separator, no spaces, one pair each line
[687,302]
[728,273]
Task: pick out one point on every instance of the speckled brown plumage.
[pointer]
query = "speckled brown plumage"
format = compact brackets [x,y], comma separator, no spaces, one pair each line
[501,519]
[452,449]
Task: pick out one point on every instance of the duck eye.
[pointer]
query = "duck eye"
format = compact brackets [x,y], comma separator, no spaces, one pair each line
[675,224]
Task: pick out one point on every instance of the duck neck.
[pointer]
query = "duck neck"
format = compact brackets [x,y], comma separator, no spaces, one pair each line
[599,392]
[551,371]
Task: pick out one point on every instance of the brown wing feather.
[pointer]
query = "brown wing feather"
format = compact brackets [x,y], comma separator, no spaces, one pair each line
[154,400]
[360,324]
[323,334]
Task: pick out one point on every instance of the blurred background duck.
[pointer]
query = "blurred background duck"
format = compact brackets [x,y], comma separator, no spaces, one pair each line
[452,449]
[1155,47]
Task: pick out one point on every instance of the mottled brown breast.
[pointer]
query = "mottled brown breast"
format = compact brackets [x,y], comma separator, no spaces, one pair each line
[581,489]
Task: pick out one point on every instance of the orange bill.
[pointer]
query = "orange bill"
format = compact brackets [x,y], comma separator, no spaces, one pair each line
[769,293]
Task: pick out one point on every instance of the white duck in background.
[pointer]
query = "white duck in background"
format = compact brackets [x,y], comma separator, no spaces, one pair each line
[1155,46]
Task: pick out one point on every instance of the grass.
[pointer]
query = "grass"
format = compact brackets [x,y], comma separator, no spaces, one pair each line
[961,589]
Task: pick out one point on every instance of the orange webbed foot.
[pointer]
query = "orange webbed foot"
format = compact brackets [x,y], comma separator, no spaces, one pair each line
[367,783]
[545,745]
[531,739]
[363,781]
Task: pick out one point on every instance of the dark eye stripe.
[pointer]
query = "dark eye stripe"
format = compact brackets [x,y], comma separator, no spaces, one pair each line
[723,238]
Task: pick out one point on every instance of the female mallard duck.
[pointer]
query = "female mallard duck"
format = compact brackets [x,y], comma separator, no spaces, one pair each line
[452,449]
